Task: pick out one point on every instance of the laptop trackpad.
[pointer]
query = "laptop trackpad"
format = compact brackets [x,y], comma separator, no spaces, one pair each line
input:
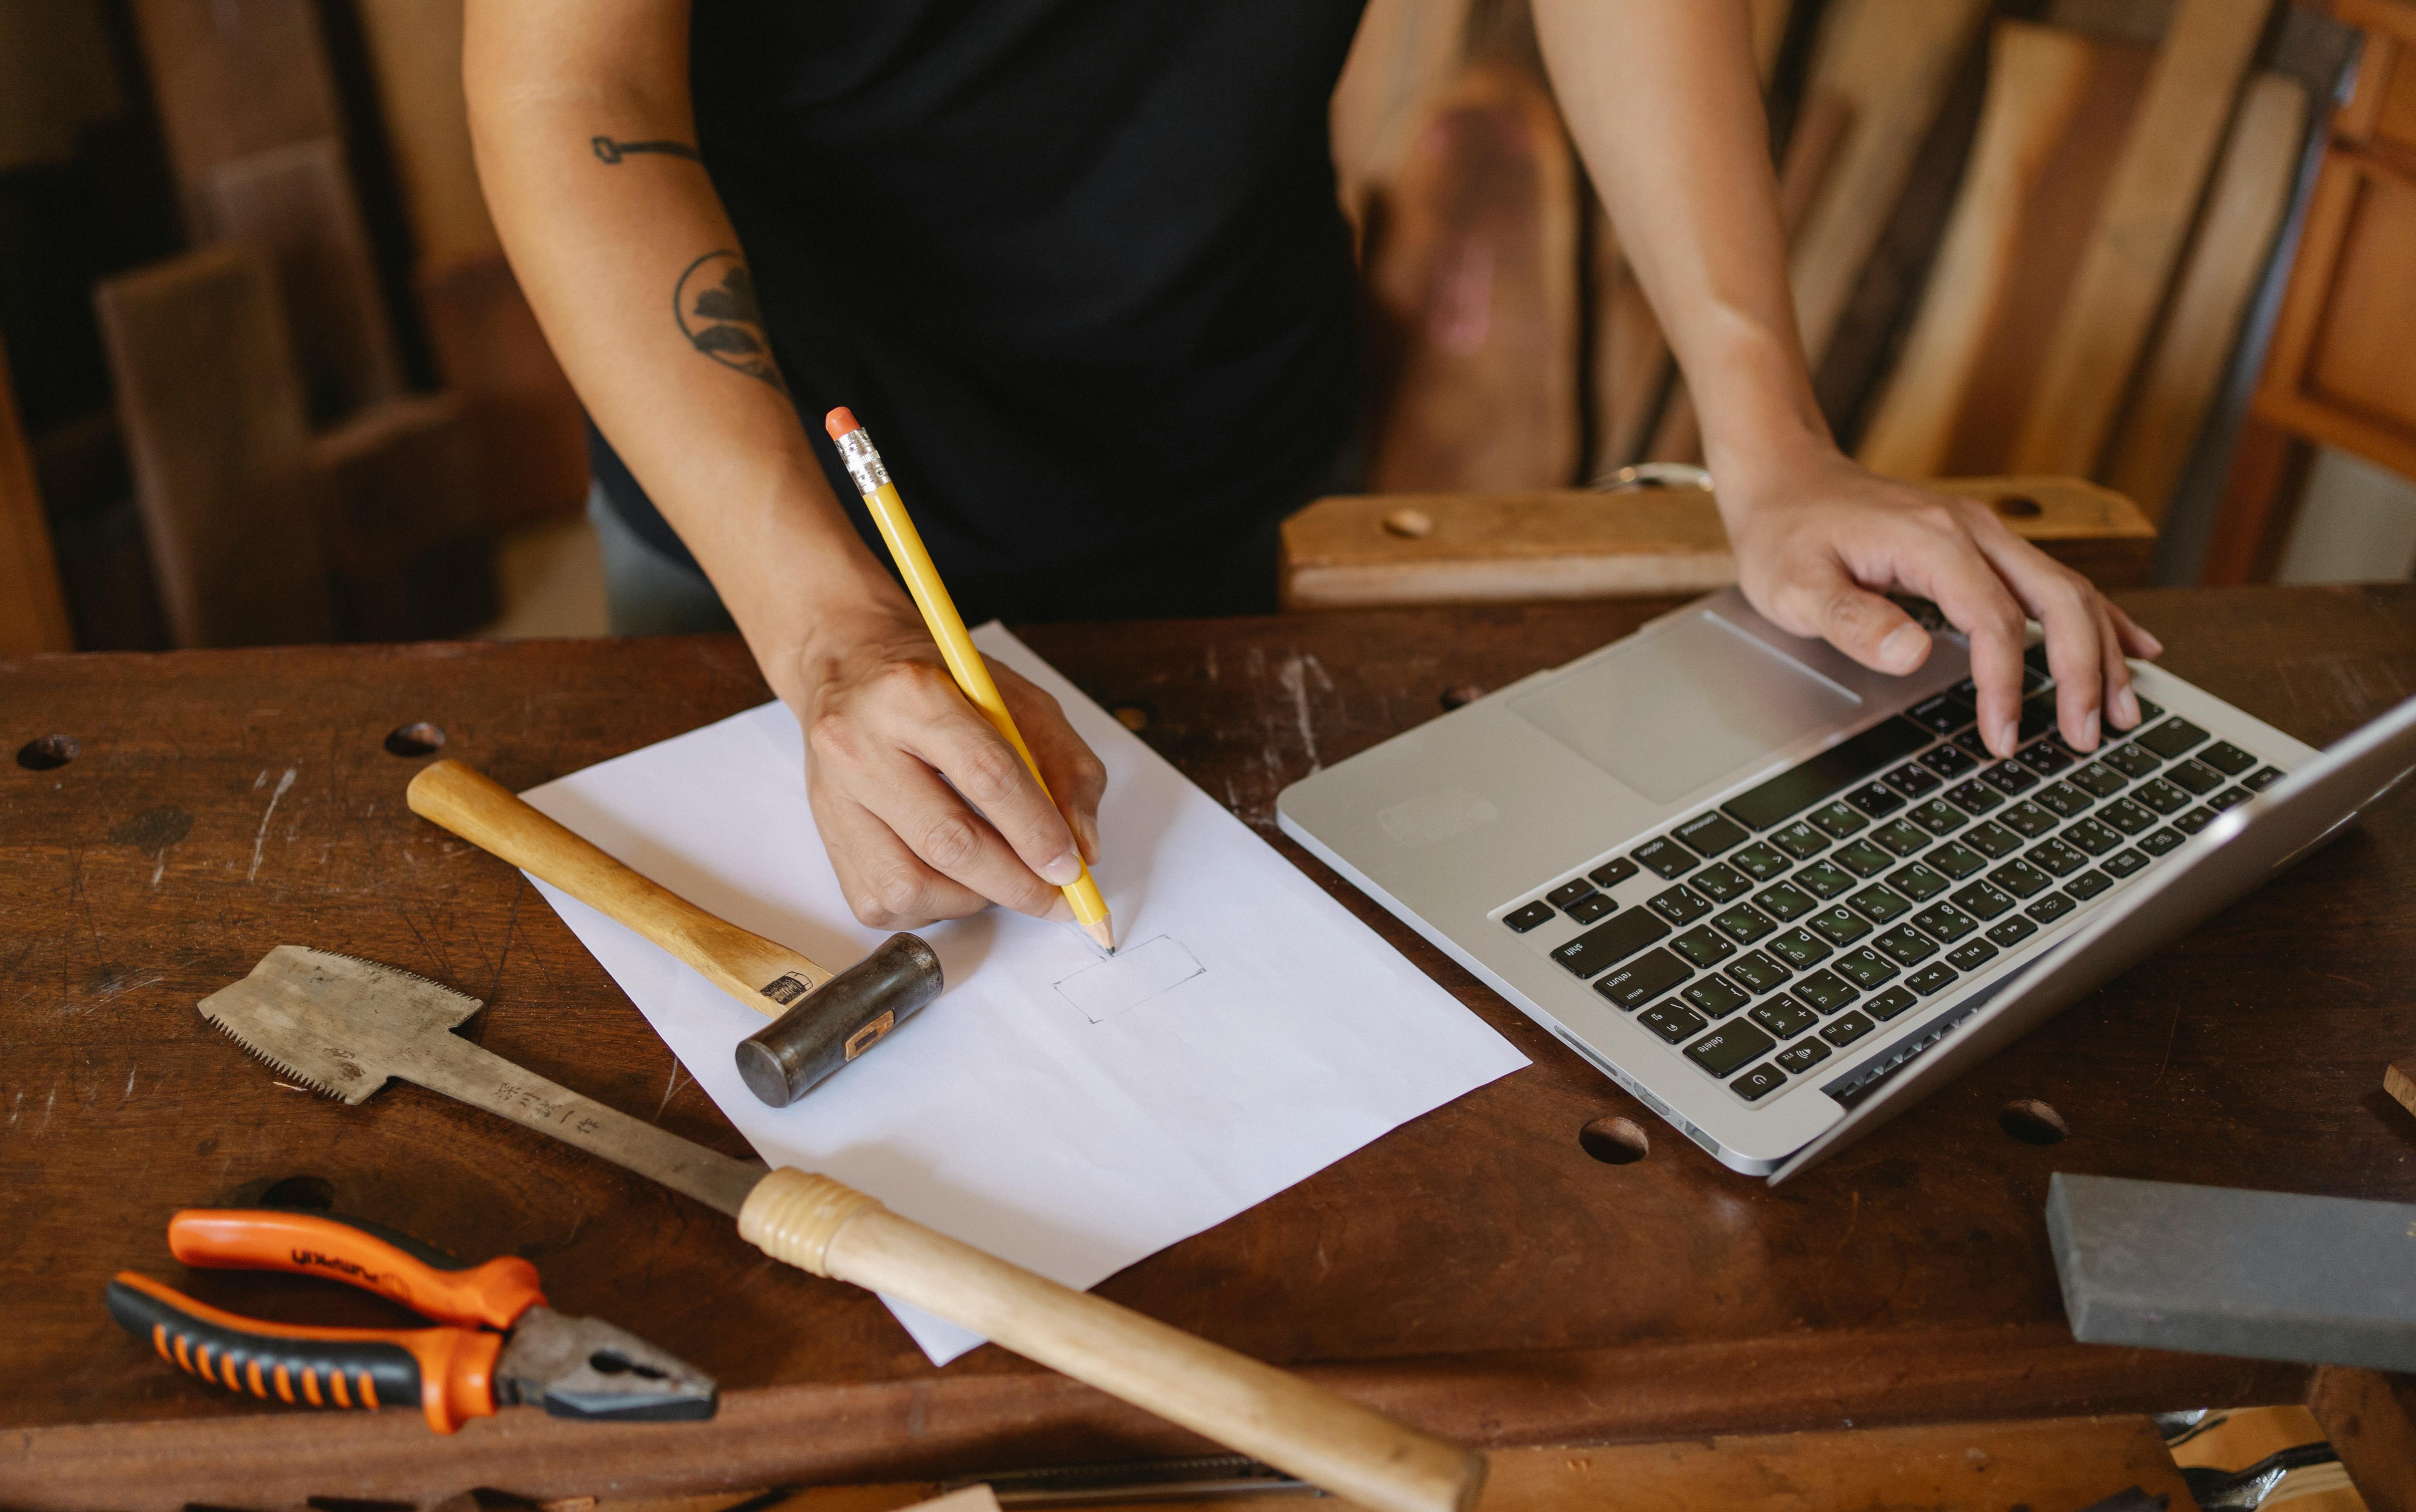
[1686,706]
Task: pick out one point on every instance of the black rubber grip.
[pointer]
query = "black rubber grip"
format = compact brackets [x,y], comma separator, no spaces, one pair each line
[261,1362]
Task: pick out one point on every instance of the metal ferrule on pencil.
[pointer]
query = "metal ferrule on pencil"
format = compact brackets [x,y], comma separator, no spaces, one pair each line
[862,460]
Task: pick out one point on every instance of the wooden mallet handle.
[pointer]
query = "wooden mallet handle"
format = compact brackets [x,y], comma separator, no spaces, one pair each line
[494,819]
[830,1229]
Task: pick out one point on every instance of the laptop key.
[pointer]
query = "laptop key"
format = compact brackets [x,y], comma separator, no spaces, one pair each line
[1664,856]
[1947,762]
[1680,905]
[1712,833]
[1840,924]
[1862,858]
[1746,923]
[1889,1003]
[2012,932]
[1523,919]
[1945,921]
[1907,945]
[1842,766]
[1644,978]
[1703,946]
[1991,840]
[2038,715]
[1931,979]
[1787,903]
[2088,884]
[2010,778]
[1611,874]
[1758,972]
[2054,857]
[1590,907]
[1917,882]
[2050,908]
[2123,863]
[1971,955]
[1983,901]
[2158,843]
[2161,795]
[1954,861]
[2229,798]
[2127,816]
[1866,968]
[2172,737]
[1900,836]
[1970,744]
[1825,990]
[1938,818]
[2194,820]
[2044,757]
[1838,821]
[1800,1058]
[2227,758]
[1800,841]
[1720,882]
[1799,946]
[1608,943]
[1759,861]
[2131,762]
[1823,879]
[2092,836]
[1783,1016]
[1878,904]
[1672,1021]
[1729,1047]
[2099,780]
[2027,819]
[2197,776]
[2259,782]
[1944,713]
[1913,780]
[1876,800]
[1846,1029]
[1974,796]
[1758,1084]
[2061,799]
[1569,892]
[2020,878]
[1714,997]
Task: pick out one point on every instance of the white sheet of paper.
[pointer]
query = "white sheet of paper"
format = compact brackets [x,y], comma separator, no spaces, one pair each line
[1066,1111]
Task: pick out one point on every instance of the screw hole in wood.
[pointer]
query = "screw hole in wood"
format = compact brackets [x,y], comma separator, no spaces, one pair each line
[420,739]
[2020,507]
[315,1194]
[2032,1122]
[48,754]
[1615,1141]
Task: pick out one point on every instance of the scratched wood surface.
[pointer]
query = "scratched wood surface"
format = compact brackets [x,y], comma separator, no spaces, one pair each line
[1475,1270]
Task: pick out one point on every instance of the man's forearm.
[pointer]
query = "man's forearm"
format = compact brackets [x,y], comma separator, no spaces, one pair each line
[587,152]
[1661,98]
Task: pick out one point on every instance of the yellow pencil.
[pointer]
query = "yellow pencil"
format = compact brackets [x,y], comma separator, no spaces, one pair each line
[948,628]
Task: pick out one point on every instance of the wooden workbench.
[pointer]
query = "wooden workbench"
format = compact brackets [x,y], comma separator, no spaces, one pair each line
[1475,1271]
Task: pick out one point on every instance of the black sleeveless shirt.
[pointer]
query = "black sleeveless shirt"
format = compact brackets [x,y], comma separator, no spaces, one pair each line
[1075,264]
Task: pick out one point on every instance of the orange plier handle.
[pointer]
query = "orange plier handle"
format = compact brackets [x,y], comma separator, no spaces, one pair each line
[449,1371]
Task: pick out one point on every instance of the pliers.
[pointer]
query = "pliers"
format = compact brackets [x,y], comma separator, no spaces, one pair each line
[508,1346]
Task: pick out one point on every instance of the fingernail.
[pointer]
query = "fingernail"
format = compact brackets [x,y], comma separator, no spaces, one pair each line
[2155,647]
[1060,911]
[1063,871]
[2007,734]
[2126,708]
[1901,651]
[2089,729]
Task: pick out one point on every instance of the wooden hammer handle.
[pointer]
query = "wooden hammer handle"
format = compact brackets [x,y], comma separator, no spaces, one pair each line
[494,819]
[830,1229]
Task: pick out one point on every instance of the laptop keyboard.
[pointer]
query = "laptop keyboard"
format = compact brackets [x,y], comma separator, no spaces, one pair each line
[1784,924]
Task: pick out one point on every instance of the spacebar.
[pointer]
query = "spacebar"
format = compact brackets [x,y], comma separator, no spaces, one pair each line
[1840,767]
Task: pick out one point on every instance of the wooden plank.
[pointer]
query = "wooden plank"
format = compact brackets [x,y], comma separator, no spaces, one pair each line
[1475,284]
[524,419]
[32,606]
[1891,62]
[2370,1418]
[212,421]
[296,204]
[2399,1079]
[1360,551]
[2227,259]
[234,79]
[1956,398]
[415,47]
[404,522]
[2139,234]
[2260,498]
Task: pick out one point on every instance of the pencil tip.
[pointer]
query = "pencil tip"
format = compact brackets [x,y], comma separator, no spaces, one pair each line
[1104,931]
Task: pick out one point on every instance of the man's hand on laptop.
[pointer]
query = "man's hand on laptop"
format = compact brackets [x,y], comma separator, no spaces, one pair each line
[1820,542]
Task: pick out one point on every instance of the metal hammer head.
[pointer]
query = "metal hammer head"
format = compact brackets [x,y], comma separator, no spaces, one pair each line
[337,1024]
[839,1020]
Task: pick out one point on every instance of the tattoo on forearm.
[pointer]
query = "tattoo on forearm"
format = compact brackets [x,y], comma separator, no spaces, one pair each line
[612,152]
[714,305]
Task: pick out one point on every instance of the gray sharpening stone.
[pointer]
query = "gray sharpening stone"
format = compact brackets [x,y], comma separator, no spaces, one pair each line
[2323,1280]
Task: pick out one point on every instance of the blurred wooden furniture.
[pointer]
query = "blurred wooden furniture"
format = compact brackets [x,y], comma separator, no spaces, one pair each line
[2342,368]
[32,609]
[1363,551]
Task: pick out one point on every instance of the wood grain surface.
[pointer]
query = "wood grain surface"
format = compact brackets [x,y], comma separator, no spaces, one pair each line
[1475,1272]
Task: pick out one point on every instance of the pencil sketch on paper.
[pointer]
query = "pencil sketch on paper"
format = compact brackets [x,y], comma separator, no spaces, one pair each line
[1130,978]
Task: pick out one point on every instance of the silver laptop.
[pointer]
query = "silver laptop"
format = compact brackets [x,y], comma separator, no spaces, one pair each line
[1779,896]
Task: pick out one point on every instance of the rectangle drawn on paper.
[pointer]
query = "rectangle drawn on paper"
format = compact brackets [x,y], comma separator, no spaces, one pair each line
[1130,978]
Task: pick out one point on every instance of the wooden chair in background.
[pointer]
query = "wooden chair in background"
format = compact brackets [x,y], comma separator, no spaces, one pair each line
[32,609]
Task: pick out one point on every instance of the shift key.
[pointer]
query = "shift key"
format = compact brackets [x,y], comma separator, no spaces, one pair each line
[1608,943]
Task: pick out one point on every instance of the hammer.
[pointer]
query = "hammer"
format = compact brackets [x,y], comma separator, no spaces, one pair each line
[821,1020]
